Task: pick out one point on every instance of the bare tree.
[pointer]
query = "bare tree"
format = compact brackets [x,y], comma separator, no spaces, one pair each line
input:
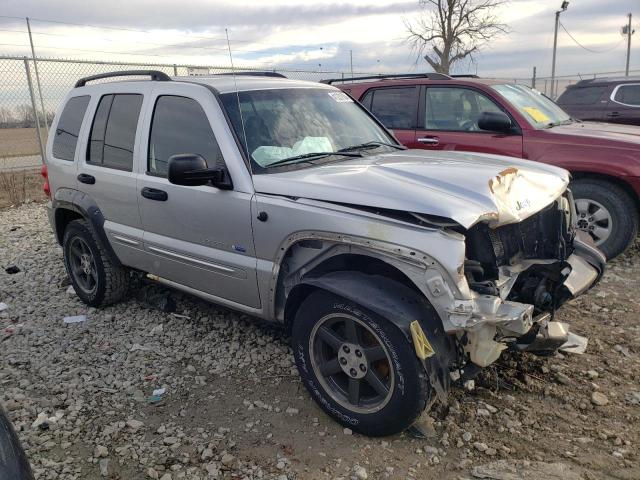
[6,117]
[25,116]
[449,31]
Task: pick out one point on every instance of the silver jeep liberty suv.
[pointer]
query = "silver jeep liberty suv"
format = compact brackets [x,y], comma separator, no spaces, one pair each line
[287,201]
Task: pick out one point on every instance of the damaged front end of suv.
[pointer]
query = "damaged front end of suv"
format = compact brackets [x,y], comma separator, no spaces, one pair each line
[520,272]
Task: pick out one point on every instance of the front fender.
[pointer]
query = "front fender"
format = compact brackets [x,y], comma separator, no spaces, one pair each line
[400,305]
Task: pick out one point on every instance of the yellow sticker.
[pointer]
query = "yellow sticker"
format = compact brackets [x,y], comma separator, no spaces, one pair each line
[536,114]
[420,343]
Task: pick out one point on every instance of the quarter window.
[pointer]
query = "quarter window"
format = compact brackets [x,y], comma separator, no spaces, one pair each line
[180,125]
[113,132]
[455,109]
[68,128]
[395,107]
[628,94]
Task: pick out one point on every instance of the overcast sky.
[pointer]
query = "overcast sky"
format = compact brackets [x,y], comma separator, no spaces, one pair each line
[312,34]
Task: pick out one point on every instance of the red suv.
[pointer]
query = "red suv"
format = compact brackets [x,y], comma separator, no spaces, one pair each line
[439,112]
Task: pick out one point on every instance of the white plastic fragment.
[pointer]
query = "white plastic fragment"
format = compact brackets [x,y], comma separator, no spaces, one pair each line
[575,344]
[74,319]
[3,306]
[158,392]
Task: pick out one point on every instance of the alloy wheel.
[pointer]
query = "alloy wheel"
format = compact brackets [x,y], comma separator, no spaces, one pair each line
[594,219]
[83,265]
[351,363]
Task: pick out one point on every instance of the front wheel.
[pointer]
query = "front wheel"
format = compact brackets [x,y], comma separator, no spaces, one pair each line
[607,213]
[358,366]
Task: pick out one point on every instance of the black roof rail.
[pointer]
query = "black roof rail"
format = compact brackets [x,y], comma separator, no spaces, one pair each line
[429,75]
[155,75]
[254,74]
[464,75]
[629,79]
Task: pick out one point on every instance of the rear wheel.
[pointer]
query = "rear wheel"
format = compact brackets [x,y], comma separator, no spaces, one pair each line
[96,280]
[607,213]
[358,366]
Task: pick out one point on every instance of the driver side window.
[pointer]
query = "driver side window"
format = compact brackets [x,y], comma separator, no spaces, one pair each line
[455,109]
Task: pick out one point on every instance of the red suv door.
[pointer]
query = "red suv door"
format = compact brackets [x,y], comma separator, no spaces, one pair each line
[397,109]
[448,120]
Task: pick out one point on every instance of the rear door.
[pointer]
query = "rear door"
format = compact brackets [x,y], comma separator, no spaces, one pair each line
[397,109]
[624,104]
[200,237]
[448,120]
[106,172]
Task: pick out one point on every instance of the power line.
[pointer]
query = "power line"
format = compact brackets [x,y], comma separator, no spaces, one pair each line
[586,48]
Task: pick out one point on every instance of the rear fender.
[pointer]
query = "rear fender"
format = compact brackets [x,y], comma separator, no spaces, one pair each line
[87,208]
[400,305]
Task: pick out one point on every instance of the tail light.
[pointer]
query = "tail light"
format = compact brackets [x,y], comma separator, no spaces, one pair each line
[45,187]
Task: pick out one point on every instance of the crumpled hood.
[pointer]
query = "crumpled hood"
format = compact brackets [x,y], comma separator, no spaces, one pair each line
[465,187]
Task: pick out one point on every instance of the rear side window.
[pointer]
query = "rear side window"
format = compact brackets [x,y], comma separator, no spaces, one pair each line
[628,94]
[180,125]
[68,128]
[113,132]
[581,96]
[394,107]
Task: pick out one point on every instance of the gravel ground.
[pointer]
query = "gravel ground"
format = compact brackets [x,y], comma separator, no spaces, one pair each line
[81,395]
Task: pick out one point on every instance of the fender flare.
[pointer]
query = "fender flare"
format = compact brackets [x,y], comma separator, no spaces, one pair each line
[87,208]
[399,304]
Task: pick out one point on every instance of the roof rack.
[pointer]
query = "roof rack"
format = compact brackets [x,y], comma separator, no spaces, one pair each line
[464,75]
[254,74]
[632,78]
[155,75]
[429,75]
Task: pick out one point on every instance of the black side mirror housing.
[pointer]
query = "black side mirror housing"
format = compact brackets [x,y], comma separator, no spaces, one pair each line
[495,122]
[190,169]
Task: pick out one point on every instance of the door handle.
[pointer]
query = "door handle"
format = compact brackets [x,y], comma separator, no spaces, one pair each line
[613,114]
[429,140]
[86,178]
[154,194]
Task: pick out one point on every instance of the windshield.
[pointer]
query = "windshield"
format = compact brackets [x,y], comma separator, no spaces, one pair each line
[539,110]
[296,123]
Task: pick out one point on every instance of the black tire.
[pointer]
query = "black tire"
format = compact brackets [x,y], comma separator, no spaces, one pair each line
[109,282]
[409,389]
[621,207]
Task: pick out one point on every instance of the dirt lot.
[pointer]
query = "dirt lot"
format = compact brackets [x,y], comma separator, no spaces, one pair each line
[234,408]
[16,142]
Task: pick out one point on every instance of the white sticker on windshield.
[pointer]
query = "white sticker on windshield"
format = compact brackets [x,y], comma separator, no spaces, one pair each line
[340,97]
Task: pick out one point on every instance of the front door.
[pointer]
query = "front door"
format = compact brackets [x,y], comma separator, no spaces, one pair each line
[448,120]
[200,236]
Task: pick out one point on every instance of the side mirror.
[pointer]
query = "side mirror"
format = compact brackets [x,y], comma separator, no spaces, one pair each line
[494,122]
[191,170]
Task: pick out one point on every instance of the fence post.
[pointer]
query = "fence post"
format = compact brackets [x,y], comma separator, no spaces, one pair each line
[175,70]
[33,105]
[35,66]
[533,79]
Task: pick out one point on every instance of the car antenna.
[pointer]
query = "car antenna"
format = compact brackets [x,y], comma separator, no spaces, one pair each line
[235,83]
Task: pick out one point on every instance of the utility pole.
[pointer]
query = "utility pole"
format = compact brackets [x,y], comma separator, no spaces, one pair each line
[563,7]
[533,78]
[627,29]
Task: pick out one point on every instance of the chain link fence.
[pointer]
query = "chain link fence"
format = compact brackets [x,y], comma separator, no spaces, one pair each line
[28,100]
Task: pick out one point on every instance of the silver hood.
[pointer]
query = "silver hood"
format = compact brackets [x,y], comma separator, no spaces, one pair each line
[465,187]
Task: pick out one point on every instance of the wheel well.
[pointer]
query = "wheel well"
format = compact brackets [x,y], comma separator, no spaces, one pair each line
[343,262]
[611,179]
[63,217]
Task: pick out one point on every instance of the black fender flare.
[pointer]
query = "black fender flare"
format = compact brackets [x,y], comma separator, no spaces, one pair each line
[87,208]
[401,305]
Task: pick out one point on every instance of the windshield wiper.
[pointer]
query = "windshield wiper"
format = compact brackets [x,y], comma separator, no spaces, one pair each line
[373,144]
[568,121]
[312,155]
